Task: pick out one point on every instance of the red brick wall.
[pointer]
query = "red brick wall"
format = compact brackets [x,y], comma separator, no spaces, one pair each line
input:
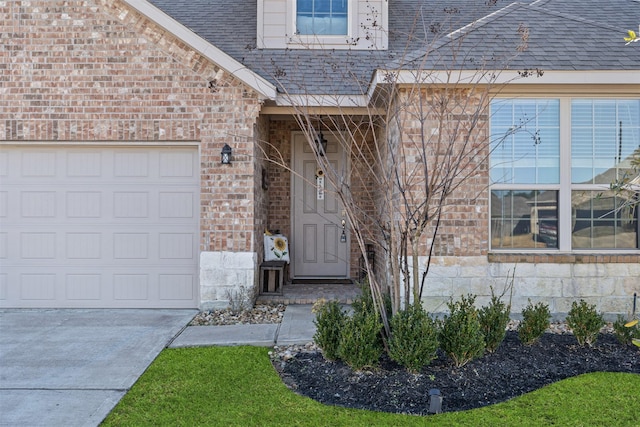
[279,215]
[463,130]
[261,205]
[97,72]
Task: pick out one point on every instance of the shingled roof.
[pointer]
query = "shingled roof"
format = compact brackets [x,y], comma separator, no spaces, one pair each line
[558,35]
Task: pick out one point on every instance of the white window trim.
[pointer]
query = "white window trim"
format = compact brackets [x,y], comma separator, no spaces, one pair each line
[564,188]
[310,40]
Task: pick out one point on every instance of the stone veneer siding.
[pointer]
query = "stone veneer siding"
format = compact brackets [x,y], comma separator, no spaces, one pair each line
[610,286]
[98,72]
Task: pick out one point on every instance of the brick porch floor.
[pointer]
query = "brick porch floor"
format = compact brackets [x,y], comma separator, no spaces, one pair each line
[305,293]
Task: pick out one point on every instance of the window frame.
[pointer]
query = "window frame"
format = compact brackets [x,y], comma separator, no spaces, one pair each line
[313,40]
[565,187]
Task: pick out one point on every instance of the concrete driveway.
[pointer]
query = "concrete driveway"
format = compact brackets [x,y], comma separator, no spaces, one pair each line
[70,367]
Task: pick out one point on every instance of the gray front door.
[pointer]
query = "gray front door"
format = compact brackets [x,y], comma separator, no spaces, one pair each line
[319,248]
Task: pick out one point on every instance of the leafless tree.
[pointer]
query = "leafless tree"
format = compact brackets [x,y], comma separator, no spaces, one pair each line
[419,147]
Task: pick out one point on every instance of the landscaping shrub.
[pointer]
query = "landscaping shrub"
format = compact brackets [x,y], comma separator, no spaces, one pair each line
[635,324]
[414,338]
[627,332]
[365,301]
[461,336]
[329,321]
[585,322]
[360,340]
[493,321]
[535,320]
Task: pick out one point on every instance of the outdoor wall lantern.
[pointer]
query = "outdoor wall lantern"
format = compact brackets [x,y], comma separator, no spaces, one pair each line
[321,143]
[226,155]
[435,401]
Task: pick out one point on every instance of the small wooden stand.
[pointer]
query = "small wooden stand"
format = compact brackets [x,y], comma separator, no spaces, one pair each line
[272,277]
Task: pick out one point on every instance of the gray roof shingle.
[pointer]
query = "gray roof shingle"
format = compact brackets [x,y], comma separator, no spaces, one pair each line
[561,35]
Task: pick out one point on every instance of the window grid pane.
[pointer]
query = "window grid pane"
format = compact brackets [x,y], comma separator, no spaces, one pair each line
[525,137]
[524,219]
[322,17]
[603,220]
[604,134]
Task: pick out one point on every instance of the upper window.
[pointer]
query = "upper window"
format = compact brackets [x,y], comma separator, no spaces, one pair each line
[550,186]
[519,155]
[322,17]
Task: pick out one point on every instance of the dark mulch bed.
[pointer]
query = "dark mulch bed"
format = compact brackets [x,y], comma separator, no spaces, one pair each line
[512,370]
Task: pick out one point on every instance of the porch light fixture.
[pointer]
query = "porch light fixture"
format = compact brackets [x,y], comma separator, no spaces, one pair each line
[321,143]
[435,401]
[226,155]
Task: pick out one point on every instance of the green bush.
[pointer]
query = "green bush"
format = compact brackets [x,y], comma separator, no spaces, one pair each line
[461,336]
[535,320]
[493,321]
[414,338]
[625,334]
[360,340]
[329,321]
[365,301]
[585,322]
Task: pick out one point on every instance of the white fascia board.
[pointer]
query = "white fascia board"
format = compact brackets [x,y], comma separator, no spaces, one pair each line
[347,101]
[209,51]
[577,77]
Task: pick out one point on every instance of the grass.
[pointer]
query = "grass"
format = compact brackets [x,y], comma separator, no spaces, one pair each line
[237,386]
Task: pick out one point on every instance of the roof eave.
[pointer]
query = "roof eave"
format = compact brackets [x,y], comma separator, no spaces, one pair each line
[311,100]
[504,77]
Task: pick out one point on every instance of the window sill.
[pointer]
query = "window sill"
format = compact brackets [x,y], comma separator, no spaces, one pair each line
[565,258]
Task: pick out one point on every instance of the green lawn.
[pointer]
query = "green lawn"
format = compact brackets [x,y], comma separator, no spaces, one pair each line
[237,386]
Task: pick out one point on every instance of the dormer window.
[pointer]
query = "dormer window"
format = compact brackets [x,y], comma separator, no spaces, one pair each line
[322,24]
[322,17]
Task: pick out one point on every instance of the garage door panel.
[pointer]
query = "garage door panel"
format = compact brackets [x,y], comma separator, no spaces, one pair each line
[131,286]
[38,163]
[175,246]
[83,204]
[124,237]
[4,164]
[177,164]
[128,164]
[38,204]
[85,245]
[4,198]
[128,204]
[176,286]
[83,287]
[38,245]
[84,164]
[40,286]
[176,204]
[4,245]
[131,246]
[4,286]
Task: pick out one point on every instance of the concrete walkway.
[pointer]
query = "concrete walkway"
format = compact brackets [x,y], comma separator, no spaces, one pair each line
[296,328]
[71,367]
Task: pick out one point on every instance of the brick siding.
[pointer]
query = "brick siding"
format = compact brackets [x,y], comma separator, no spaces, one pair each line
[97,72]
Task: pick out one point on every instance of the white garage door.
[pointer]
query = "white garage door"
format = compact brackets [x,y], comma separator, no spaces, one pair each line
[104,227]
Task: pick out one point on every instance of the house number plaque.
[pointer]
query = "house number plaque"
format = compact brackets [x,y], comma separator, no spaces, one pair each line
[320,183]
[320,187]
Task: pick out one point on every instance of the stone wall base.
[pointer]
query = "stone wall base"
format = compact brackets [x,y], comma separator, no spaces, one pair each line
[227,275]
[609,286]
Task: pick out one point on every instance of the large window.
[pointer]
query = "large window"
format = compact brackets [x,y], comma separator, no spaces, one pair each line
[322,17]
[552,164]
